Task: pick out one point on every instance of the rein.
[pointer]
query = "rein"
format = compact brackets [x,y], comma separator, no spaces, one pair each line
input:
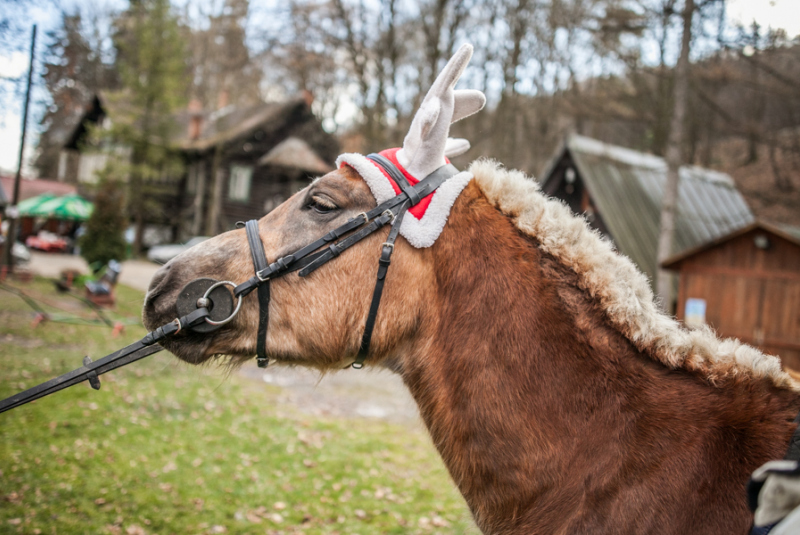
[206,305]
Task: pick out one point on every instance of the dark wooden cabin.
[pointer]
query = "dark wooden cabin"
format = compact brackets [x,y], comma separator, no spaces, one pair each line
[746,285]
[240,162]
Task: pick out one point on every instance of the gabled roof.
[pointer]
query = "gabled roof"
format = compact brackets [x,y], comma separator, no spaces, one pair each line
[627,187]
[293,152]
[790,234]
[220,126]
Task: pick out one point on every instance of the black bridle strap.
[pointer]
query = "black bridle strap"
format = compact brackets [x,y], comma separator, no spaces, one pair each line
[122,357]
[290,262]
[383,266]
[259,264]
[337,248]
[398,177]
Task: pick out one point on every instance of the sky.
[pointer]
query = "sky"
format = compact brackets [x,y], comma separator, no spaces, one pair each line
[768,13]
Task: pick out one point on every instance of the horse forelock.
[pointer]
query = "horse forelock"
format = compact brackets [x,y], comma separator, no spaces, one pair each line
[618,286]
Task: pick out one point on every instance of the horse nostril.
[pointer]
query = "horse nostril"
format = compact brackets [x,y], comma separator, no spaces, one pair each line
[159,277]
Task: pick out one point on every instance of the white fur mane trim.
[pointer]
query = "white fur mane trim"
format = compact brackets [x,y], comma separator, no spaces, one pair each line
[419,232]
[621,289]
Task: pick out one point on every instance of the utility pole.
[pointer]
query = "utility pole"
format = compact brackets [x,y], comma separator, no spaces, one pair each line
[12,212]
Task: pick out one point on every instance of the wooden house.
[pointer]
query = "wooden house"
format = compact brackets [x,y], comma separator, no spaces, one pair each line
[240,162]
[619,192]
[745,284]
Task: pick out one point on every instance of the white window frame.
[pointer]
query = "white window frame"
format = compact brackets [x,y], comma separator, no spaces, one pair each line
[240,182]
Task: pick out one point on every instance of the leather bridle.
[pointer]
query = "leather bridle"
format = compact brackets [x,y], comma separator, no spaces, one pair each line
[205,305]
[309,258]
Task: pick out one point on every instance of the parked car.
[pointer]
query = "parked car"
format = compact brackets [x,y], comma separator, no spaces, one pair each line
[48,242]
[161,254]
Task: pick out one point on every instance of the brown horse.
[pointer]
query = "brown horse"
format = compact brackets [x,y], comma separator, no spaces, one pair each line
[560,399]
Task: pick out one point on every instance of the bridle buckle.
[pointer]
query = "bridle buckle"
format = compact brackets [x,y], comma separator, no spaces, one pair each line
[391,215]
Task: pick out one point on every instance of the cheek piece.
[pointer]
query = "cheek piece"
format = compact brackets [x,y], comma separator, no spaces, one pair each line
[309,258]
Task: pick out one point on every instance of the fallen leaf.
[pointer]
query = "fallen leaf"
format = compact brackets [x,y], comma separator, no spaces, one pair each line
[99,501]
[280,506]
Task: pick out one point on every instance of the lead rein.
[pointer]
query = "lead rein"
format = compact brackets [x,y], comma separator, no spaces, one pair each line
[92,369]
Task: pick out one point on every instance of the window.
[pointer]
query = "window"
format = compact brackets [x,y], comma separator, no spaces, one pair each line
[239,183]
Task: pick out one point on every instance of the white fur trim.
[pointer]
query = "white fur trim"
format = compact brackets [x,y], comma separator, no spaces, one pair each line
[419,232]
[621,289]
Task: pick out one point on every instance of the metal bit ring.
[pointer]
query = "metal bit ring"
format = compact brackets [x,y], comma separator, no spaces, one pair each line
[235,311]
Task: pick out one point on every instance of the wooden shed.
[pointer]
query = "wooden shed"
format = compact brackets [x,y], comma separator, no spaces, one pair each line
[746,285]
[619,192]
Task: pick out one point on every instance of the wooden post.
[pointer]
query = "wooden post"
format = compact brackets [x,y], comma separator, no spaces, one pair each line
[13,216]
[218,180]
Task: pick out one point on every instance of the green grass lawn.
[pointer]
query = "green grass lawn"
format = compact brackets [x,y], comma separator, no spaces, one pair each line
[168,448]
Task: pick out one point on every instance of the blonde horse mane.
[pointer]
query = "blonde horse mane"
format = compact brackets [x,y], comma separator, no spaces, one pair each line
[621,289]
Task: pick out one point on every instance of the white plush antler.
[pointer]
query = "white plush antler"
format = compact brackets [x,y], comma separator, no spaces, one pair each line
[426,143]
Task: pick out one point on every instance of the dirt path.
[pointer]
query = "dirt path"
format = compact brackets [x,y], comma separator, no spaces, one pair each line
[135,273]
[349,393]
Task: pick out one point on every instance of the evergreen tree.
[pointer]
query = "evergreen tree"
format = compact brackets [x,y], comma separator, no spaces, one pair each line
[74,71]
[104,239]
[154,73]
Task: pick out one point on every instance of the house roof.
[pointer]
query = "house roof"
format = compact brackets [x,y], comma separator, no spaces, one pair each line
[31,188]
[627,186]
[790,234]
[294,152]
[229,123]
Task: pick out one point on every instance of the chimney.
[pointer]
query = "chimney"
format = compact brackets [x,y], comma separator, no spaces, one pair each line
[195,119]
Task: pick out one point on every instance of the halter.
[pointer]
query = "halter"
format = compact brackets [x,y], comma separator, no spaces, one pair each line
[309,258]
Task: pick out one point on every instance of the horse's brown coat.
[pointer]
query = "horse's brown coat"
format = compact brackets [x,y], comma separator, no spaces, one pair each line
[548,418]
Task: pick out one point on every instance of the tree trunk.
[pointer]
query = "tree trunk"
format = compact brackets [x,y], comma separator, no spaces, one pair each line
[674,159]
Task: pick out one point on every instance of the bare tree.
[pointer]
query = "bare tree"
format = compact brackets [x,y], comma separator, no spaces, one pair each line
[674,157]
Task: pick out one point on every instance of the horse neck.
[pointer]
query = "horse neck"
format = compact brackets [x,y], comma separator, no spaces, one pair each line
[518,377]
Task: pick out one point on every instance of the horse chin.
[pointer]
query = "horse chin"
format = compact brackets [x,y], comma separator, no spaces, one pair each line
[190,349]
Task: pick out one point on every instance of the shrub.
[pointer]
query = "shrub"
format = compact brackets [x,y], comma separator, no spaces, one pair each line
[104,238]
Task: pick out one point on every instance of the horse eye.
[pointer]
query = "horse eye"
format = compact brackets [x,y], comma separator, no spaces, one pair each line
[321,206]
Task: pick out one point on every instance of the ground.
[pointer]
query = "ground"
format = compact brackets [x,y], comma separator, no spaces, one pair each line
[164,447]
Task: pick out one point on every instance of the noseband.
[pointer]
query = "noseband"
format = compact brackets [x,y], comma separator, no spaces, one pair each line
[309,258]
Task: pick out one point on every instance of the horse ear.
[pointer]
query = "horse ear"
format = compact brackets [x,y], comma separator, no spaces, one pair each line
[467,102]
[424,146]
[455,147]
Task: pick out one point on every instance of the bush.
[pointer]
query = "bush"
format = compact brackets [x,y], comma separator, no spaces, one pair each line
[104,239]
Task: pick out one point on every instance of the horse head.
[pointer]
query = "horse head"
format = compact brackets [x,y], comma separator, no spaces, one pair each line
[318,320]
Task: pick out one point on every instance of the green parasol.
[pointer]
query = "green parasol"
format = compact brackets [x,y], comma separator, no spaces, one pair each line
[28,206]
[71,206]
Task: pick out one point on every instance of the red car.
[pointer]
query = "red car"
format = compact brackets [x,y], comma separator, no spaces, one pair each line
[48,242]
